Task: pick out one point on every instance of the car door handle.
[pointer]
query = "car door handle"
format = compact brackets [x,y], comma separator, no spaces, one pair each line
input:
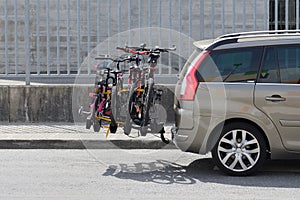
[275,98]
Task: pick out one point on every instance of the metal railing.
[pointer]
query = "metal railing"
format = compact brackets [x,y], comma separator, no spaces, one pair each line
[53,38]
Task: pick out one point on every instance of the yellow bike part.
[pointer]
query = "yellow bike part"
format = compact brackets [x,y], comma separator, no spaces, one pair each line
[108,130]
[124,90]
[103,118]
[108,92]
[140,90]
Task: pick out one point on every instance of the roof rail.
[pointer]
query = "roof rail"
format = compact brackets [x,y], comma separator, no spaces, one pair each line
[257,33]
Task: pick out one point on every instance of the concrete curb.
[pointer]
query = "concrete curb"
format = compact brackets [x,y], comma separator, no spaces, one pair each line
[70,136]
[84,144]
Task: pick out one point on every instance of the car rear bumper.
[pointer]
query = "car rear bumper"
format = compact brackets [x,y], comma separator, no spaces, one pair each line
[195,133]
[186,130]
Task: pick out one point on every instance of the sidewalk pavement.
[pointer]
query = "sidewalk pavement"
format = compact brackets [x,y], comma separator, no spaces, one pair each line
[74,136]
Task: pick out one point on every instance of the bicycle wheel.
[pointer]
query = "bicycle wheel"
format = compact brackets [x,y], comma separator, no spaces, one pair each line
[96,124]
[114,107]
[147,105]
[130,107]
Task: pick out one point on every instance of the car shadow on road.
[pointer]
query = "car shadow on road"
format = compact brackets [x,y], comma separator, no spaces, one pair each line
[278,173]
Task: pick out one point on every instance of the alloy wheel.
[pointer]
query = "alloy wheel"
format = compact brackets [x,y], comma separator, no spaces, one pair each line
[238,150]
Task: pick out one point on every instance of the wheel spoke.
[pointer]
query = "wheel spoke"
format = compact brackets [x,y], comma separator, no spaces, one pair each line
[227,141]
[249,158]
[225,150]
[234,136]
[225,159]
[241,162]
[244,134]
[252,151]
[233,164]
[254,141]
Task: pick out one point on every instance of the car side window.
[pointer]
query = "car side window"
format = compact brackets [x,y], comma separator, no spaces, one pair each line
[269,72]
[281,64]
[232,65]
[289,64]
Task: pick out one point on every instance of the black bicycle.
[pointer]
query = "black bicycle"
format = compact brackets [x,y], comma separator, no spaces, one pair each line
[142,94]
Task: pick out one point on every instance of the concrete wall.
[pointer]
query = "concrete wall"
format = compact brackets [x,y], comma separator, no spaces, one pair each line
[54,103]
[36,103]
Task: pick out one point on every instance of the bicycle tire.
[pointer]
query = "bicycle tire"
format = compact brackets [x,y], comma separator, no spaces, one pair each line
[146,107]
[128,119]
[114,103]
[148,101]
[114,109]
[96,124]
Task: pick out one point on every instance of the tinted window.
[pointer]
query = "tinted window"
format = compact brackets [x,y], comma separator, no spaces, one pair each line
[231,65]
[281,65]
[289,64]
[269,72]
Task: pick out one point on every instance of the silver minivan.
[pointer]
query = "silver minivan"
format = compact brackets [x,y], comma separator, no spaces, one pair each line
[238,97]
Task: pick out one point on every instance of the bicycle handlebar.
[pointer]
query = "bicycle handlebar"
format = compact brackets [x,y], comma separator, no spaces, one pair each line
[157,48]
[134,50]
[106,57]
[143,50]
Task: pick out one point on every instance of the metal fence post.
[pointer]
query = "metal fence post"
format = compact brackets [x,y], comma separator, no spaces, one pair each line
[68,39]
[286,14]
[213,18]
[6,37]
[58,36]
[265,15]
[78,37]
[27,43]
[16,37]
[38,51]
[276,14]
[233,15]
[48,35]
[297,14]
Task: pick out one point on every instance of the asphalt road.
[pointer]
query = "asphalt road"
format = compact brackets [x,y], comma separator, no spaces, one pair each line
[136,174]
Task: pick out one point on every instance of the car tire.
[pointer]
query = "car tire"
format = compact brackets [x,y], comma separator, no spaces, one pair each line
[240,150]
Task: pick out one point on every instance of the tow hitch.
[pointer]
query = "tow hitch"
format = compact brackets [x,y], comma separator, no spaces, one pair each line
[162,136]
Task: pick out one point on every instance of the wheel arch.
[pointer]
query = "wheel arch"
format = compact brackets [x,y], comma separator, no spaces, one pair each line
[216,132]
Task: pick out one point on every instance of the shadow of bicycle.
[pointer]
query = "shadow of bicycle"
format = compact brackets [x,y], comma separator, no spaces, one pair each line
[160,171]
[283,174]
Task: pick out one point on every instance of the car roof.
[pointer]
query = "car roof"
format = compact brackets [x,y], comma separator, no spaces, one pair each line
[255,38]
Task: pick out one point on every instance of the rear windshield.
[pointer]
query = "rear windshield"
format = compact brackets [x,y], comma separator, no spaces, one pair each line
[231,65]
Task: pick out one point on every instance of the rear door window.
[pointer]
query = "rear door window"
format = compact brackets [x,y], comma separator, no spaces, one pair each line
[232,65]
[289,64]
[269,70]
[281,64]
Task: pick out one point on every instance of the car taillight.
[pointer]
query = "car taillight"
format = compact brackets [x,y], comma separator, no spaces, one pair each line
[190,82]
